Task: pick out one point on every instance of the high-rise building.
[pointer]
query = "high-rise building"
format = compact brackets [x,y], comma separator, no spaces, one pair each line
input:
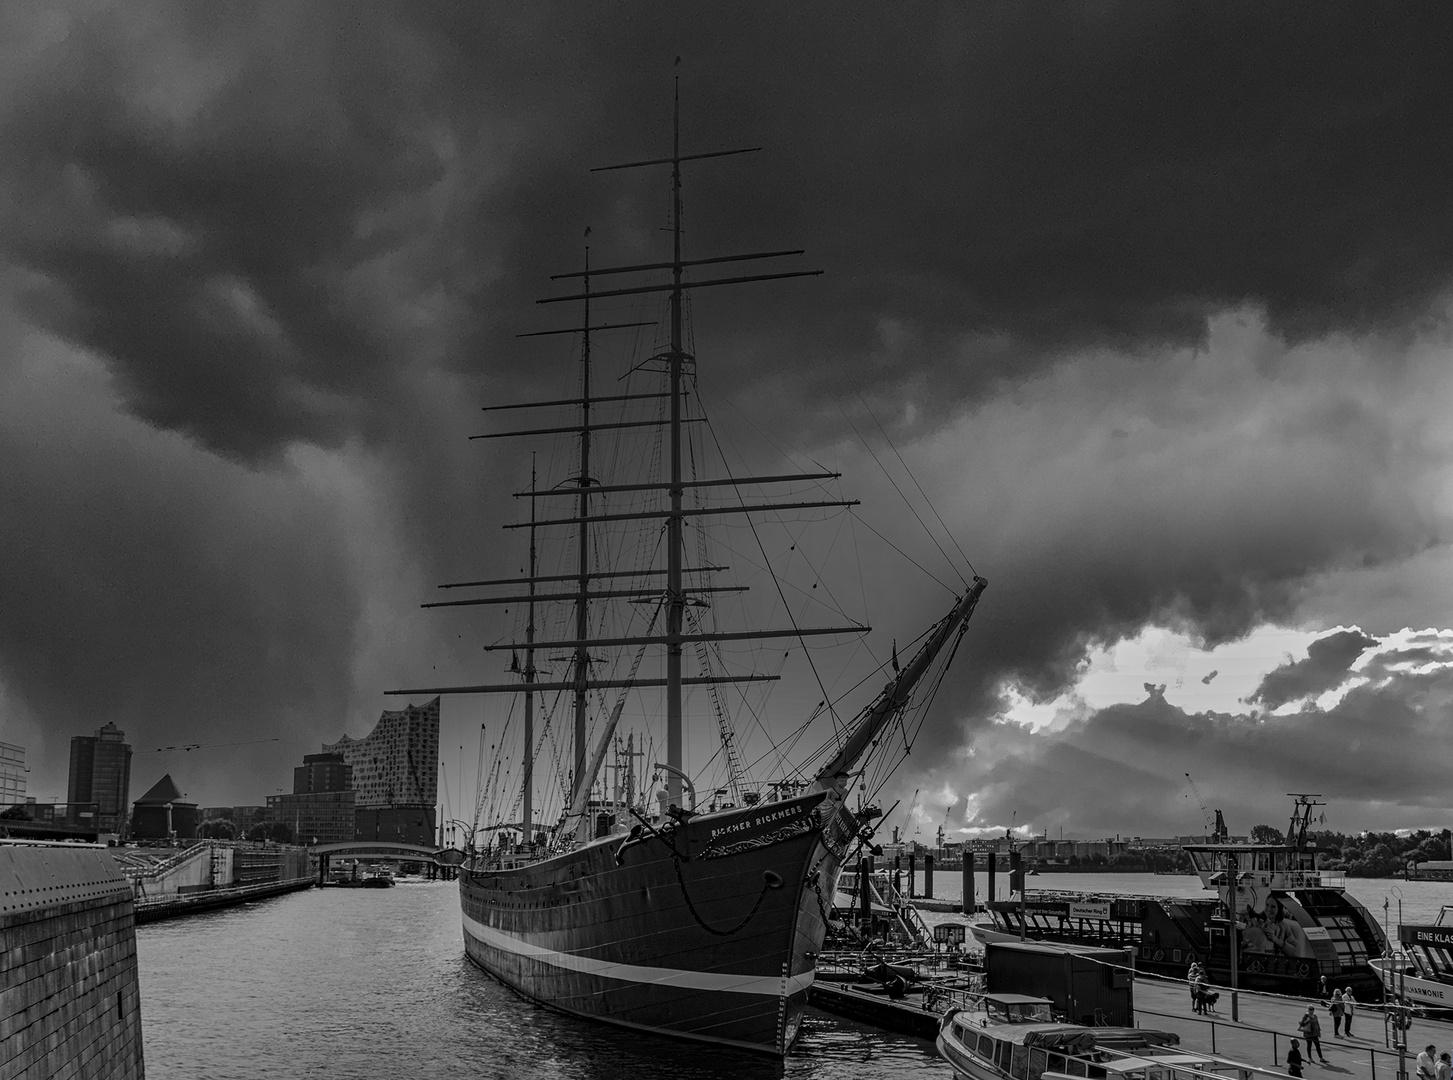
[100,782]
[12,775]
[317,817]
[322,772]
[395,769]
[320,809]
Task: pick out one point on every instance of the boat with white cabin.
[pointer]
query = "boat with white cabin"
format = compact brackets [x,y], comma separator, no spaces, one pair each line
[1420,970]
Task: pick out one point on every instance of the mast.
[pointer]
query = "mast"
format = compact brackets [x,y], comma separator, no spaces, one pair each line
[675,600]
[528,770]
[678,593]
[582,653]
[896,694]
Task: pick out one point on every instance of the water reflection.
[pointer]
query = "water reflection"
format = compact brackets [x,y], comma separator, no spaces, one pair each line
[373,983]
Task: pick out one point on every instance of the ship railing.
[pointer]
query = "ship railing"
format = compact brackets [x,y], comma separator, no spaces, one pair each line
[910,921]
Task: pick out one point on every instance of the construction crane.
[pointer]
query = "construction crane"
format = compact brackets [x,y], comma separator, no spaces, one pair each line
[947,810]
[908,820]
[189,747]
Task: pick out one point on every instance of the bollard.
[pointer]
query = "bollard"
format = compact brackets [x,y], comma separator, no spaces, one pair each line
[968,905]
[993,866]
[912,871]
[928,877]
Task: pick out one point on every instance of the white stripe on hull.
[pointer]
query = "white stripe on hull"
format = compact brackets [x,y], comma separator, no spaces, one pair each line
[728,982]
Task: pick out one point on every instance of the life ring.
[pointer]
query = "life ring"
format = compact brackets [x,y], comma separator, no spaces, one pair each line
[1401,1023]
[1304,970]
[1159,954]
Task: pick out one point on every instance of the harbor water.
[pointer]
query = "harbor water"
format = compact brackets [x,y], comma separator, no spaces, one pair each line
[373,983]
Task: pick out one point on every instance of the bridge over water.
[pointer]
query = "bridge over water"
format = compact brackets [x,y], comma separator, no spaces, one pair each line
[445,859]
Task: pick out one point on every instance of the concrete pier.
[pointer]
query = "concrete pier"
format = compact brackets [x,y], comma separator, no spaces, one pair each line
[69,1003]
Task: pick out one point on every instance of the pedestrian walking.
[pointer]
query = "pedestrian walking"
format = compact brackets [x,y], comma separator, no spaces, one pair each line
[1294,1060]
[1428,1063]
[1349,1006]
[1335,1008]
[1311,1030]
[1444,1070]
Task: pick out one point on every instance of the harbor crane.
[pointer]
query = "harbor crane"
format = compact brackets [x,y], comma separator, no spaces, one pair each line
[1206,818]
[1216,824]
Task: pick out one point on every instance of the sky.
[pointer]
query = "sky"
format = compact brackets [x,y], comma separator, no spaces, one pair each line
[1152,300]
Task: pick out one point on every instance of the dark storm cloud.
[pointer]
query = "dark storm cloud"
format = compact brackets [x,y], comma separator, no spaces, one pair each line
[279,226]
[175,595]
[1234,490]
[1327,662]
[1120,769]
[205,194]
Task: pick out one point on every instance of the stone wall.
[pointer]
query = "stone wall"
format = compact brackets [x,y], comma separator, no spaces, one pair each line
[69,1002]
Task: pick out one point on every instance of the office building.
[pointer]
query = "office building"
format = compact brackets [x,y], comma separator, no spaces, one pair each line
[318,817]
[12,775]
[99,788]
[322,772]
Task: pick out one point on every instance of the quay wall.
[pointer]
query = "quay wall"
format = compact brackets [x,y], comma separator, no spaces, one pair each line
[70,1007]
[212,874]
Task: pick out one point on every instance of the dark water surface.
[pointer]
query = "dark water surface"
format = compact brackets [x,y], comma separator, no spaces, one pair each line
[373,983]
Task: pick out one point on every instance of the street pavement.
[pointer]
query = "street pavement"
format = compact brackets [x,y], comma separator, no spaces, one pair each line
[1266,1025]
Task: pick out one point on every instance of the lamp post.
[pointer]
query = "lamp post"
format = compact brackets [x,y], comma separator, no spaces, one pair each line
[1233,888]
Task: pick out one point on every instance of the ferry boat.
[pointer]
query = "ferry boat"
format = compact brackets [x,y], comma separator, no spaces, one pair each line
[1295,924]
[697,922]
[1015,1037]
[1420,972]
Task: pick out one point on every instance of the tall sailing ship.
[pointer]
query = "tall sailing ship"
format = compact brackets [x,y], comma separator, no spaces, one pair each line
[698,922]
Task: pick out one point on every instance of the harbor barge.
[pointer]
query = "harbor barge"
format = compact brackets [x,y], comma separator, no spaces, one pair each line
[1296,925]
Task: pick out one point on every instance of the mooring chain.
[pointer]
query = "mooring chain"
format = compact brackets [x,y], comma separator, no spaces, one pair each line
[677,858]
[766,885]
[817,891]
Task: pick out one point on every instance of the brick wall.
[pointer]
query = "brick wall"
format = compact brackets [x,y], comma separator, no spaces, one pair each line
[69,1003]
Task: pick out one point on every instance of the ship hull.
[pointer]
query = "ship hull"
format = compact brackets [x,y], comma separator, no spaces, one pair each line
[708,931]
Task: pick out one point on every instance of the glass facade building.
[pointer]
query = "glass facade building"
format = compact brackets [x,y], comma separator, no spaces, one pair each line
[99,788]
[395,774]
[12,774]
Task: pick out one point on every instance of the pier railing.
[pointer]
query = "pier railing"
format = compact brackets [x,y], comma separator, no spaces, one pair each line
[1384,1062]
